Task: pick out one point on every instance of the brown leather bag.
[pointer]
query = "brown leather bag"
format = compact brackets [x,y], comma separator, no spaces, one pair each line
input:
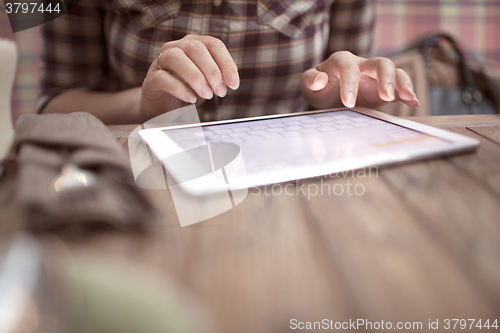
[444,81]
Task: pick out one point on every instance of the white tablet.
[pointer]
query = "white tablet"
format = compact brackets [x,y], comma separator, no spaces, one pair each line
[265,150]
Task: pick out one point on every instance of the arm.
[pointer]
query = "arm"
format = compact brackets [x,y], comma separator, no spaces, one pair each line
[75,71]
[74,67]
[110,107]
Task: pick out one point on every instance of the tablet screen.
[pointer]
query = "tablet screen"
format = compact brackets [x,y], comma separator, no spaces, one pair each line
[306,140]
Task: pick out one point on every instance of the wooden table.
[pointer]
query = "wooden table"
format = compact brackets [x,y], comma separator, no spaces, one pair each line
[422,243]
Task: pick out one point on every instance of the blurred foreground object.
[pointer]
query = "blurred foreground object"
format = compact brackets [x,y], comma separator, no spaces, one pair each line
[116,299]
[445,82]
[8,62]
[19,271]
[67,171]
[45,289]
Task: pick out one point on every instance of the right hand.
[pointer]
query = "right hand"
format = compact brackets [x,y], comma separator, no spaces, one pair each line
[194,68]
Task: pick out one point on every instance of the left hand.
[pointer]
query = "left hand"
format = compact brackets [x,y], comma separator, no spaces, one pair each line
[347,79]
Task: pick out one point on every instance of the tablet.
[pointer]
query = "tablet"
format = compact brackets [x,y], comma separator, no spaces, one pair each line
[272,149]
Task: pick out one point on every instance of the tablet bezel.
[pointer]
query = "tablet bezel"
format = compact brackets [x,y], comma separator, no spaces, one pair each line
[457,144]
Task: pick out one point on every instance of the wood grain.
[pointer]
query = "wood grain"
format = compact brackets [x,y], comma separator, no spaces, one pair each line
[254,268]
[389,259]
[490,132]
[483,165]
[121,130]
[422,242]
[458,121]
[459,213]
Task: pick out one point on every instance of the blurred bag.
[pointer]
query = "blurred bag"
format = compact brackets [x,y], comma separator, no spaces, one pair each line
[37,194]
[445,83]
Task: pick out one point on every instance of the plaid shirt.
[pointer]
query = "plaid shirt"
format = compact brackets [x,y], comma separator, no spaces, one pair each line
[109,45]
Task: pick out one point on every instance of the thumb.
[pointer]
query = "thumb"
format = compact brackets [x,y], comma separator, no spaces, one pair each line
[313,80]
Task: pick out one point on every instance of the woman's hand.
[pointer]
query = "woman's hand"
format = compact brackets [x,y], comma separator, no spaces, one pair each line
[189,70]
[350,80]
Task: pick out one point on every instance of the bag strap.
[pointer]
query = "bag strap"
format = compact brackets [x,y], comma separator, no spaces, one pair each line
[470,91]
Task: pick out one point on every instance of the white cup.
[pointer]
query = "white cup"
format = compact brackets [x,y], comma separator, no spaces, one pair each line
[8,63]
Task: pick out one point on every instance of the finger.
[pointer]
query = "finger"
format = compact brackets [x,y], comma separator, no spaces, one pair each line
[404,88]
[224,60]
[345,66]
[384,71]
[201,57]
[174,59]
[349,85]
[161,80]
[313,80]
[326,95]
[323,92]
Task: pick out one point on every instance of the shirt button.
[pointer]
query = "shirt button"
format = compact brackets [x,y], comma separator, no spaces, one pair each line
[217,3]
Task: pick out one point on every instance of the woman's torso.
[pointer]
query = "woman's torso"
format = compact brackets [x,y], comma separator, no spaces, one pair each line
[271,41]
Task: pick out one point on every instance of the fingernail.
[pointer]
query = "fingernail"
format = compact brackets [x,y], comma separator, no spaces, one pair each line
[233,82]
[317,76]
[221,90]
[351,100]
[410,89]
[390,91]
[190,97]
[206,91]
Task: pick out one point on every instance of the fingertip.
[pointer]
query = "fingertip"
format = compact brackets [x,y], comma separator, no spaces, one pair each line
[190,97]
[409,97]
[206,91]
[221,90]
[391,92]
[233,81]
[316,76]
[318,81]
[413,103]
[410,90]
[407,93]
[350,100]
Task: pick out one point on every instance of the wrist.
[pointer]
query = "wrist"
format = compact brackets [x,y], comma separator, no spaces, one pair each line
[135,109]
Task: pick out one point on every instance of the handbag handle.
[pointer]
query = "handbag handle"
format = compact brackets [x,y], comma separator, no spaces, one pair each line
[470,91]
